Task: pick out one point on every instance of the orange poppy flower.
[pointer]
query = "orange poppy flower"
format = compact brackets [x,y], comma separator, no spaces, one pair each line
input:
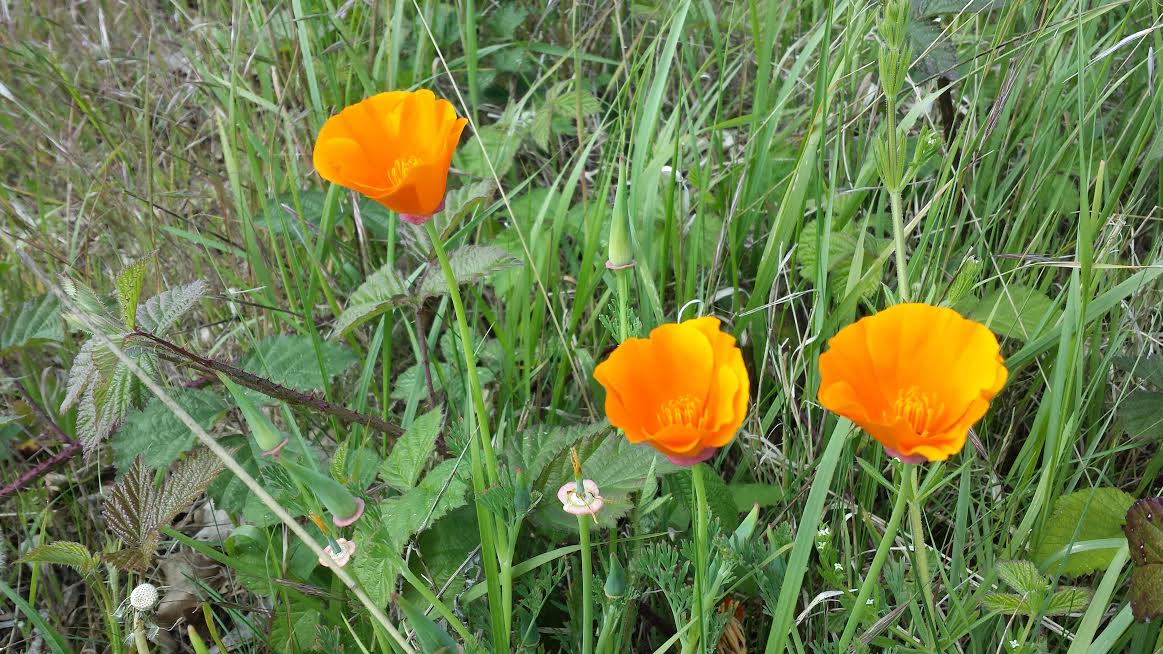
[393,147]
[683,391]
[915,377]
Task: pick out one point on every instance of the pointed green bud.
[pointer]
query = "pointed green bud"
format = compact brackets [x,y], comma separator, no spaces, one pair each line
[621,249]
[746,528]
[522,497]
[616,580]
[270,440]
[344,507]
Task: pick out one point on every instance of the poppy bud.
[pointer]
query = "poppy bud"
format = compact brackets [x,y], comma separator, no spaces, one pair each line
[616,579]
[344,507]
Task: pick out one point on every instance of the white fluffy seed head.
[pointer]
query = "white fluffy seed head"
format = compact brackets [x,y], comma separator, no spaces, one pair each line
[144,597]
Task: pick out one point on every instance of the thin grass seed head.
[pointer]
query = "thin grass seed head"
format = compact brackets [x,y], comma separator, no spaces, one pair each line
[683,390]
[395,148]
[915,377]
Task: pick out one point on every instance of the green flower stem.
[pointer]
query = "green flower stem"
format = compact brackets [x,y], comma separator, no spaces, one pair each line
[583,527]
[432,599]
[700,555]
[622,279]
[139,639]
[870,580]
[483,473]
[920,552]
[609,624]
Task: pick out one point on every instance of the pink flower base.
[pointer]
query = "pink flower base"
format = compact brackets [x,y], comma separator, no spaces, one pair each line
[346,522]
[588,502]
[610,265]
[905,458]
[420,219]
[688,461]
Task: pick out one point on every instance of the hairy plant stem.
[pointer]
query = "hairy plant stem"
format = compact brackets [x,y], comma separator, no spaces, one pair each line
[870,580]
[892,181]
[700,493]
[622,279]
[498,568]
[920,551]
[34,473]
[583,527]
[139,639]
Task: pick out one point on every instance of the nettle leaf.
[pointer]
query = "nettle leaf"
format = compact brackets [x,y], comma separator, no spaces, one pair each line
[1015,311]
[937,7]
[1149,369]
[462,201]
[1068,601]
[1006,604]
[81,375]
[36,321]
[500,141]
[135,510]
[1022,576]
[295,625]
[158,436]
[1094,514]
[843,247]
[411,452]
[379,293]
[373,564]
[537,447]
[442,490]
[1141,413]
[129,290]
[1144,531]
[63,552]
[291,361]
[159,313]
[469,264]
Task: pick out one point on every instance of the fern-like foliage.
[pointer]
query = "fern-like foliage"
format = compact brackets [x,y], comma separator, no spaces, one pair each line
[136,510]
[100,385]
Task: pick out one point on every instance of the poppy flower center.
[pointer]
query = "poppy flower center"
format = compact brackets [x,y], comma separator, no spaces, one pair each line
[681,410]
[400,169]
[917,408]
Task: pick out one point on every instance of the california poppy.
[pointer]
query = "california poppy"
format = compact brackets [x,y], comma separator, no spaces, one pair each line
[683,390]
[393,147]
[915,377]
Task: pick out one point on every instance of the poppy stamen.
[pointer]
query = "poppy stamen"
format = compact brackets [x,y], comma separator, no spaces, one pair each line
[681,410]
[400,169]
[917,408]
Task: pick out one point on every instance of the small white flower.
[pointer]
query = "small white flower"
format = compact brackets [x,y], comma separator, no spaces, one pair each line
[869,602]
[838,566]
[1014,644]
[144,597]
[912,549]
[824,531]
[340,558]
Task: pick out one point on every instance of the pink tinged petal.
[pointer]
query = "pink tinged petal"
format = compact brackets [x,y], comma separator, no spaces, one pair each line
[688,461]
[417,219]
[347,550]
[904,458]
[347,522]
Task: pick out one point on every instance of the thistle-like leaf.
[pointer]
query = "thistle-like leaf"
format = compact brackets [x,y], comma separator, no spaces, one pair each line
[81,374]
[1006,604]
[35,321]
[379,293]
[161,311]
[190,478]
[129,284]
[1068,600]
[1022,576]
[62,552]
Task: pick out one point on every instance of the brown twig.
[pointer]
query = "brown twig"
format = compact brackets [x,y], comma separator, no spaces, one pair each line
[71,446]
[268,387]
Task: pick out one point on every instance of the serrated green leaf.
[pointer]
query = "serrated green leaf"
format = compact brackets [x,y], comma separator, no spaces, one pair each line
[538,446]
[1144,531]
[1147,368]
[937,7]
[441,491]
[719,500]
[446,545]
[373,563]
[129,291]
[158,436]
[411,452]
[1015,311]
[62,552]
[748,495]
[159,313]
[376,295]
[36,321]
[469,264]
[1141,413]
[1007,604]
[1022,576]
[1068,600]
[291,361]
[1095,514]
[460,202]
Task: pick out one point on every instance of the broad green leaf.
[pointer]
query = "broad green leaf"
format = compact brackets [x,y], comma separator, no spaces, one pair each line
[290,361]
[373,563]
[937,7]
[1096,513]
[441,491]
[36,321]
[537,447]
[295,625]
[842,253]
[460,202]
[1144,530]
[1006,604]
[429,636]
[411,452]
[379,293]
[1141,413]
[445,546]
[63,552]
[1147,368]
[1014,311]
[748,495]
[1022,576]
[719,500]
[933,51]
[232,496]
[469,264]
[282,217]
[129,290]
[1068,600]
[499,141]
[158,436]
